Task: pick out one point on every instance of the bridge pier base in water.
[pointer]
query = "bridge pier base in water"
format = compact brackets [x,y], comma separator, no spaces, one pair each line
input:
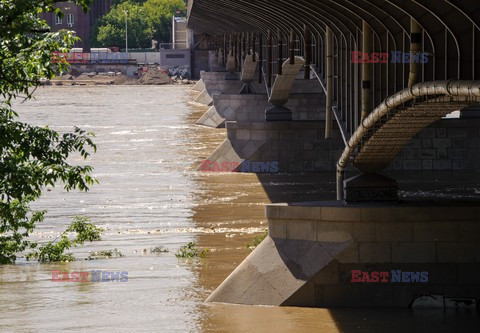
[295,146]
[327,254]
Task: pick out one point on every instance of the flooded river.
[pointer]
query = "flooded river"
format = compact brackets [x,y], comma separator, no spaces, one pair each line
[149,195]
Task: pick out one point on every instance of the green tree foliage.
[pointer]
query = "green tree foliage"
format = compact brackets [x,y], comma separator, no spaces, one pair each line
[55,251]
[160,13]
[31,157]
[110,30]
[147,20]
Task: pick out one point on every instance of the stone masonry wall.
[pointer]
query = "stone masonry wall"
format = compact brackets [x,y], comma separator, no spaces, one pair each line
[313,247]
[449,144]
[251,108]
[297,146]
[437,239]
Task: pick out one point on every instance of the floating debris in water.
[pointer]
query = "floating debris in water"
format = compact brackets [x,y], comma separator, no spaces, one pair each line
[108,254]
[159,249]
[190,251]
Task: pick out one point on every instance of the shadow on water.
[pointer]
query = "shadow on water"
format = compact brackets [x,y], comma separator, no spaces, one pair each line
[236,201]
[148,196]
[238,318]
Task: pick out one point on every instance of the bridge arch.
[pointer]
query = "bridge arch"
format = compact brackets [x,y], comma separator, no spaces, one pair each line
[386,130]
[447,31]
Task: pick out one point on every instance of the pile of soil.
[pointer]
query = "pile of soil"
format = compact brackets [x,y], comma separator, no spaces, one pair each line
[123,79]
[145,76]
[85,79]
[154,76]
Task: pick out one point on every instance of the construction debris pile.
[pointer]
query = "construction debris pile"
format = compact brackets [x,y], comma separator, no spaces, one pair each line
[144,76]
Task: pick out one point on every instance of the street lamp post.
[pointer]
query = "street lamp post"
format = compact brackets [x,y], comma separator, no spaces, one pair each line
[126,31]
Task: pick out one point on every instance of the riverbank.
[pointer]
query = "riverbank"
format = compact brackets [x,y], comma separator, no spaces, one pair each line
[144,76]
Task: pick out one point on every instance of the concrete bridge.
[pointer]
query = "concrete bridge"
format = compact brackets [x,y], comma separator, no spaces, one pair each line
[361,87]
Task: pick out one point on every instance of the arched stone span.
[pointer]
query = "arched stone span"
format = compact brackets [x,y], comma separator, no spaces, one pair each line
[400,117]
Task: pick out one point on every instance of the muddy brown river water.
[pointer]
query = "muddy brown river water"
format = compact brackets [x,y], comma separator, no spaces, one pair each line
[149,195]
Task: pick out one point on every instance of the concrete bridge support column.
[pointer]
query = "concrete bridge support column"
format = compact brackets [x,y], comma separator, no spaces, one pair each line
[253,46]
[225,50]
[231,61]
[248,71]
[280,52]
[330,86]
[220,60]
[366,187]
[244,47]
[269,59]
[235,48]
[416,42]
[292,47]
[367,105]
[307,35]
[280,91]
[260,58]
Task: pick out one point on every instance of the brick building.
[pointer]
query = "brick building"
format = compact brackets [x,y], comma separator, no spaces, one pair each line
[75,19]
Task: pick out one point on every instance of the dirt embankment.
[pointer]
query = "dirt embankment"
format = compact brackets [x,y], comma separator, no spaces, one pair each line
[149,76]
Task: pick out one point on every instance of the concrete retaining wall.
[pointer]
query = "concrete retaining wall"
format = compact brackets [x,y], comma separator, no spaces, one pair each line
[145,57]
[312,249]
[176,57]
[127,69]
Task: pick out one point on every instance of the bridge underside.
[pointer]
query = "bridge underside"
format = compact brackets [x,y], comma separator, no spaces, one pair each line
[386,71]
[389,136]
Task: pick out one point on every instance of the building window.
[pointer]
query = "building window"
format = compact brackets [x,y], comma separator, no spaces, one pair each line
[58,19]
[70,20]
